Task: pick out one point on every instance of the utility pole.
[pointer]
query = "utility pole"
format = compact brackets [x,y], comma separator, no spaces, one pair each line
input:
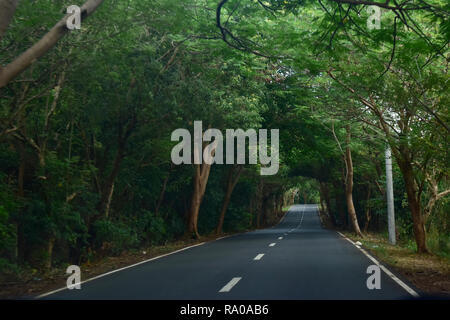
[390,196]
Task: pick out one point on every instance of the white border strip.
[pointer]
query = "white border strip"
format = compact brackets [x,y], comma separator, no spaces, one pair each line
[117,270]
[389,273]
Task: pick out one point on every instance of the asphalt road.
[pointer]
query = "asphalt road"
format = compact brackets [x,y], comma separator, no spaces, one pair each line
[297,259]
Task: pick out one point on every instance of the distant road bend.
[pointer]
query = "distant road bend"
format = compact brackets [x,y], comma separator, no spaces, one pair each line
[296,259]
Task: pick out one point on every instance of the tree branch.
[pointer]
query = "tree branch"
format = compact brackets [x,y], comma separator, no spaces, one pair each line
[48,41]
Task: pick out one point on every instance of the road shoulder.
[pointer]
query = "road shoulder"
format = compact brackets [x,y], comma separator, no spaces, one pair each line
[429,273]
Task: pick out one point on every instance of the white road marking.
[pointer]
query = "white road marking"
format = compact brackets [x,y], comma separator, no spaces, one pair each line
[301,219]
[272,244]
[230,284]
[389,273]
[117,270]
[259,256]
[280,238]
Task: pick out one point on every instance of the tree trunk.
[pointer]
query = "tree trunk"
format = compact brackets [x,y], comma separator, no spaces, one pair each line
[201,176]
[280,205]
[368,216]
[50,245]
[349,185]
[161,195]
[258,203]
[7,9]
[337,185]
[20,193]
[192,228]
[262,211]
[226,202]
[414,205]
[108,202]
[200,180]
[108,187]
[231,183]
[326,197]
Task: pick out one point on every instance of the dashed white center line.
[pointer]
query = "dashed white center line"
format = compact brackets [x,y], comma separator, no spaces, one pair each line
[259,256]
[272,244]
[230,284]
[280,238]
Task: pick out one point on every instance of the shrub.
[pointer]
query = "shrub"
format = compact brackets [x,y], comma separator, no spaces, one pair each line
[114,237]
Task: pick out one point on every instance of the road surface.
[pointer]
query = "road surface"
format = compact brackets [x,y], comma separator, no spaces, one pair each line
[296,259]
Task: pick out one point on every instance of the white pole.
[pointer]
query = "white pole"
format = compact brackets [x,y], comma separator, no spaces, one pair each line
[390,196]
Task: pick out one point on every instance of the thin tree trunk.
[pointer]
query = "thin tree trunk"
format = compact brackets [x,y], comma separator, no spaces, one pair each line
[7,9]
[161,195]
[414,206]
[368,216]
[258,203]
[349,185]
[231,183]
[339,204]
[50,245]
[261,212]
[326,197]
[108,202]
[108,187]
[21,194]
[280,206]
[163,191]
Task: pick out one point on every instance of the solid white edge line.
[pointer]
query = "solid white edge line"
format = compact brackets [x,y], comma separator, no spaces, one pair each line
[385,270]
[301,219]
[154,258]
[259,256]
[230,284]
[224,237]
[117,270]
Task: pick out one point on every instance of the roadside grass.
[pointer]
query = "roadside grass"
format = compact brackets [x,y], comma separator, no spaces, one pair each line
[430,273]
